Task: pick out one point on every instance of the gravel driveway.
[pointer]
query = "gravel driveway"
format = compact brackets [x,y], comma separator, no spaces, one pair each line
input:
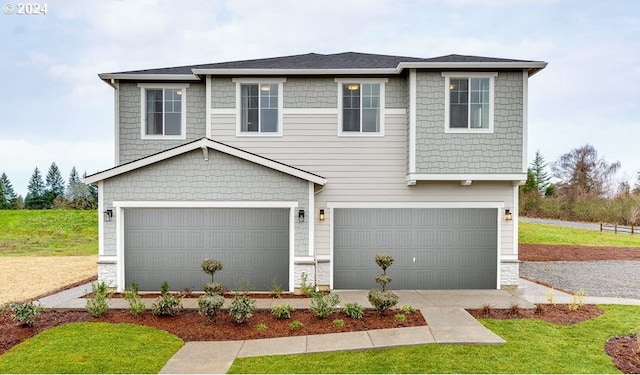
[602,278]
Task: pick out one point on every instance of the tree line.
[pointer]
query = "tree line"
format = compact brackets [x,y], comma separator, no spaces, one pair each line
[581,187]
[50,192]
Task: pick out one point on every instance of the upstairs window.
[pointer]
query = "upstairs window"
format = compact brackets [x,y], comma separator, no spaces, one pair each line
[163,111]
[260,107]
[469,103]
[361,107]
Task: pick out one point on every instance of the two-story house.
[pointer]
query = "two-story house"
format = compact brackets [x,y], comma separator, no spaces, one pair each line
[312,164]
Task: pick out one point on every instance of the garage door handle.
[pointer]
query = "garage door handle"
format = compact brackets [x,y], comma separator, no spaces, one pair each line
[414,259]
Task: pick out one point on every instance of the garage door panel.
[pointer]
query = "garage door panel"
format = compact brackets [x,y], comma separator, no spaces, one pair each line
[433,248]
[175,242]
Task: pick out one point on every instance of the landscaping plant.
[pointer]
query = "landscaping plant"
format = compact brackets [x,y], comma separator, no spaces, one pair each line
[296,324]
[338,322]
[25,313]
[261,327]
[306,289]
[166,304]
[276,288]
[323,305]
[577,300]
[98,305]
[281,311]
[383,300]
[242,308]
[136,306]
[210,305]
[210,267]
[400,318]
[407,309]
[354,310]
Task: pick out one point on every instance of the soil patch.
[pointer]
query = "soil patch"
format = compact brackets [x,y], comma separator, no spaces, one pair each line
[190,326]
[556,314]
[623,351]
[551,253]
[200,294]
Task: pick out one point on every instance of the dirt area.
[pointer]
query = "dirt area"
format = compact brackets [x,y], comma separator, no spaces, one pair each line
[550,253]
[23,278]
[625,353]
[190,326]
[556,314]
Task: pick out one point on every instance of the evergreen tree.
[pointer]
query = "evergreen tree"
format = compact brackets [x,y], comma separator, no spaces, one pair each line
[8,197]
[55,185]
[538,168]
[530,185]
[35,192]
[636,189]
[78,193]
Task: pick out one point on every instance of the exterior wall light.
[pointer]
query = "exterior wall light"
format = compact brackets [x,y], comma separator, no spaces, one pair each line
[353,87]
[321,215]
[108,215]
[301,216]
[508,216]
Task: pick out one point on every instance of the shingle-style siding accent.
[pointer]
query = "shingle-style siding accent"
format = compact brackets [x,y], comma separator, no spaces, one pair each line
[477,153]
[397,93]
[132,146]
[310,93]
[189,177]
[223,93]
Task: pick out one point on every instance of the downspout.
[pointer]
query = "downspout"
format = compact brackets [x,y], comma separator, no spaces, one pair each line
[116,119]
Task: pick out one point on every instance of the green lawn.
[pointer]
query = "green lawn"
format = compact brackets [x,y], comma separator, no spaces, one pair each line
[48,232]
[556,235]
[92,348]
[533,346]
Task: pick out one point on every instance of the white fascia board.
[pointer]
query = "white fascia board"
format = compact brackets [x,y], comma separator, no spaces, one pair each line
[533,66]
[244,72]
[149,77]
[204,204]
[460,204]
[466,177]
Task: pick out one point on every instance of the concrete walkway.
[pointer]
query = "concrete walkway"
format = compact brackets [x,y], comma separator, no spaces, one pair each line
[444,311]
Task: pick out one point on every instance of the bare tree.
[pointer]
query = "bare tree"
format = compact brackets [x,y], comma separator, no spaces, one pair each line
[582,173]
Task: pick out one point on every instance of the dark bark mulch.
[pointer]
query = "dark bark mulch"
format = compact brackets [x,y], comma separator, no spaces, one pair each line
[556,314]
[624,353]
[552,253]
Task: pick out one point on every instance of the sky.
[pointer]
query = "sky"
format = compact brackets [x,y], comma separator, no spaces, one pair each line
[54,108]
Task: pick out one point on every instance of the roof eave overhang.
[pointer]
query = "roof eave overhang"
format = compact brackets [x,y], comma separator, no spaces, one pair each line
[107,77]
[303,72]
[532,66]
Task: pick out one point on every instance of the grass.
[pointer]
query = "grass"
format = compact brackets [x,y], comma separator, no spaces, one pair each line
[533,346]
[533,233]
[48,232]
[98,348]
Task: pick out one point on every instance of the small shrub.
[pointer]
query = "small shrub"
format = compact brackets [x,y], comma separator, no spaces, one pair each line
[210,305]
[407,309]
[400,318]
[514,309]
[136,306]
[242,308]
[486,311]
[551,298]
[323,305]
[261,327]
[25,313]
[213,288]
[354,310]
[211,266]
[296,324]
[306,289]
[541,309]
[98,305]
[577,300]
[338,322]
[166,304]
[382,300]
[384,261]
[281,311]
[276,288]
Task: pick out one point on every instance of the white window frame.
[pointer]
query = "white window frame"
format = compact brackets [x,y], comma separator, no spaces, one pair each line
[447,100]
[143,110]
[257,81]
[360,81]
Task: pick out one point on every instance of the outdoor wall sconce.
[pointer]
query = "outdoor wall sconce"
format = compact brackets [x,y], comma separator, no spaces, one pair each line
[301,216]
[321,215]
[508,216]
[108,215]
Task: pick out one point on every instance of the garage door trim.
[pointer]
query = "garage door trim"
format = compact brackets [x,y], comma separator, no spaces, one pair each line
[497,205]
[119,207]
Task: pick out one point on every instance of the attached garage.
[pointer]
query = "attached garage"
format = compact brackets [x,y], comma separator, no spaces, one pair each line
[434,248]
[169,244]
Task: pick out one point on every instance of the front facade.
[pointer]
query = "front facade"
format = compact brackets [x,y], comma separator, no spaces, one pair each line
[309,165]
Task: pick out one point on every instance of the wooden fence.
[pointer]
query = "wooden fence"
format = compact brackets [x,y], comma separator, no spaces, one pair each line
[618,228]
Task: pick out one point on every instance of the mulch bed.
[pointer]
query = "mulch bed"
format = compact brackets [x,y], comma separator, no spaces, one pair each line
[624,353]
[190,326]
[556,314]
[551,253]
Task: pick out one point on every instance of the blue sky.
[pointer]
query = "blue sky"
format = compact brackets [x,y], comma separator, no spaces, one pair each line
[54,108]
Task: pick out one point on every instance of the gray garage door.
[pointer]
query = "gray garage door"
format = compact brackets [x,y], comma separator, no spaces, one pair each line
[433,248]
[170,244]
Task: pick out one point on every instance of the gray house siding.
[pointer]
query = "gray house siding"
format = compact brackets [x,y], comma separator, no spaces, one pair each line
[131,144]
[438,152]
[189,177]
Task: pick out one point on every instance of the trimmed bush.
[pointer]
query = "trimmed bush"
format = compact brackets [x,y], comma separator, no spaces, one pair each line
[213,288]
[98,305]
[354,310]
[323,305]
[281,311]
[211,266]
[166,304]
[382,300]
[242,308]
[136,306]
[25,313]
[210,305]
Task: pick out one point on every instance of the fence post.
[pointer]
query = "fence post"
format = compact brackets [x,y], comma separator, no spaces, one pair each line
[615,228]
[600,227]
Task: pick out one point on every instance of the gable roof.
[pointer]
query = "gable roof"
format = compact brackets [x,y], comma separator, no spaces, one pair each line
[338,63]
[205,144]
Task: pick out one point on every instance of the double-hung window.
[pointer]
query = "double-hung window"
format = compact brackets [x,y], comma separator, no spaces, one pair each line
[469,102]
[163,111]
[260,107]
[361,107]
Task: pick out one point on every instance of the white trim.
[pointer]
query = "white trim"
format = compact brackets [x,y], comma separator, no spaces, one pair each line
[447,76]
[292,247]
[100,218]
[205,204]
[149,77]
[290,72]
[535,66]
[183,109]
[331,255]
[304,260]
[462,204]
[380,81]
[258,81]
[499,219]
[412,119]
[204,142]
[466,177]
[312,219]
[515,212]
[208,105]
[116,119]
[120,281]
[223,111]
[310,111]
[525,120]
